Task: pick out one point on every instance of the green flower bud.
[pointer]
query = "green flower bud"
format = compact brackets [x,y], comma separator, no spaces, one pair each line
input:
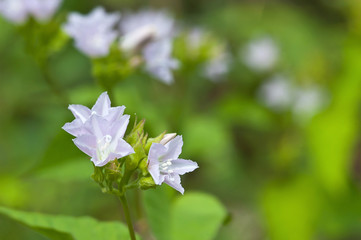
[132,161]
[98,175]
[137,133]
[146,183]
[143,166]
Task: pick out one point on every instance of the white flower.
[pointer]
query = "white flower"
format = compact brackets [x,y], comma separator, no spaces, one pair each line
[218,66]
[196,38]
[42,10]
[165,165]
[82,114]
[93,33]
[143,27]
[99,132]
[308,101]
[158,60]
[14,10]
[17,11]
[277,93]
[261,54]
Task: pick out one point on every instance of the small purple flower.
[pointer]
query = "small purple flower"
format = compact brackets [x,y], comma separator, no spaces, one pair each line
[145,26]
[104,142]
[93,33]
[42,10]
[18,11]
[260,54]
[14,10]
[158,60]
[165,166]
[82,114]
[99,131]
[217,66]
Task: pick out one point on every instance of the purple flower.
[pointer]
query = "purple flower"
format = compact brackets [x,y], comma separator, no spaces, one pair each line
[158,60]
[14,10]
[93,34]
[145,26]
[17,11]
[42,10]
[165,166]
[99,131]
[82,114]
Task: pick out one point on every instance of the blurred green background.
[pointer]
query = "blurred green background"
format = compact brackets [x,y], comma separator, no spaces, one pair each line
[281,175]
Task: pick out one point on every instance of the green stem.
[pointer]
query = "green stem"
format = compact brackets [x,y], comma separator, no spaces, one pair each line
[127,216]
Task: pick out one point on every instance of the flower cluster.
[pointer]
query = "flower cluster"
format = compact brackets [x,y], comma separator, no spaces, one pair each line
[18,11]
[280,94]
[148,33]
[99,133]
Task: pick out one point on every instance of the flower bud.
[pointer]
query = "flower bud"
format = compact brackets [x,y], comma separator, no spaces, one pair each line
[146,183]
[98,176]
[167,138]
[143,166]
[136,133]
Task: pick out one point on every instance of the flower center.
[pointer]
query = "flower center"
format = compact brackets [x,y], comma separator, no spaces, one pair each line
[164,167]
[103,149]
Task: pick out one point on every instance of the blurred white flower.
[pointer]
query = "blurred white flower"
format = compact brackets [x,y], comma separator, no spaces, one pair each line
[261,54]
[42,10]
[17,11]
[14,10]
[218,66]
[309,101]
[277,93]
[93,33]
[143,27]
[158,60]
[195,38]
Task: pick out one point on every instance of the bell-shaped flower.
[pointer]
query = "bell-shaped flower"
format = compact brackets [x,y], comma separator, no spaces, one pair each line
[93,33]
[158,60]
[143,27]
[42,10]
[164,163]
[104,141]
[14,10]
[82,114]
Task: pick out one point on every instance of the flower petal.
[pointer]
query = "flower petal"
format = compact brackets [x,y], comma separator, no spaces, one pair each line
[87,144]
[182,166]
[120,126]
[80,111]
[102,105]
[123,148]
[174,181]
[97,125]
[115,113]
[174,148]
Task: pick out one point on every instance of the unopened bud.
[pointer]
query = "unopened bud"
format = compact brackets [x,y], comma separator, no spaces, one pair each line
[146,183]
[167,138]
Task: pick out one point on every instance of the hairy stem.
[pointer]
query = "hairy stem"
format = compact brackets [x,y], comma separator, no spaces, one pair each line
[127,216]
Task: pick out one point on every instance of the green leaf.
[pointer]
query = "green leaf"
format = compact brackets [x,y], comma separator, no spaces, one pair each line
[192,216]
[157,204]
[196,216]
[68,228]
